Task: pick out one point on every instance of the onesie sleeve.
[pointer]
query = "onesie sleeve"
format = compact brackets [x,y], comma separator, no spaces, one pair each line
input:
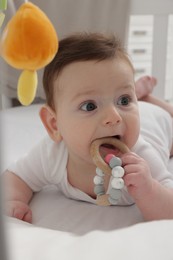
[156,129]
[45,164]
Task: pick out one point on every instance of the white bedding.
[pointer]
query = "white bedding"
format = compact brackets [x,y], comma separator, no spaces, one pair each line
[68,229]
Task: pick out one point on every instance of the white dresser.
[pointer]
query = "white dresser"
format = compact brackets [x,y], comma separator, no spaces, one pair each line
[150,42]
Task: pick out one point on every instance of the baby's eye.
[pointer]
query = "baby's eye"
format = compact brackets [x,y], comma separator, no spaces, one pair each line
[124,100]
[88,106]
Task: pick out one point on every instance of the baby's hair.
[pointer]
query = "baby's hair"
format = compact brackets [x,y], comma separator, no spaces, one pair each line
[81,47]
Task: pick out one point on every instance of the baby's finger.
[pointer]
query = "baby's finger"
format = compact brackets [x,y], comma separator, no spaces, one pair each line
[133,179]
[130,158]
[18,213]
[131,168]
[28,217]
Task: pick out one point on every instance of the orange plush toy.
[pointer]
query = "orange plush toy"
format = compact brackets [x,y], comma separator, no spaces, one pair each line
[29,42]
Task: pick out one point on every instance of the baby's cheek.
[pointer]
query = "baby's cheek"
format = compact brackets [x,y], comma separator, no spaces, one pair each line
[133,132]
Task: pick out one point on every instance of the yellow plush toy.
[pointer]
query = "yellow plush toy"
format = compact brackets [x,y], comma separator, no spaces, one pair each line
[28,42]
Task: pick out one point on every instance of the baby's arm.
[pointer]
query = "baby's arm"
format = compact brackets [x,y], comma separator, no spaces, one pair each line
[17,196]
[153,199]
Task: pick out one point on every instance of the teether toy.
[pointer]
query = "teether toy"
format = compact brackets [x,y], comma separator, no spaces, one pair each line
[111,166]
[95,154]
[28,42]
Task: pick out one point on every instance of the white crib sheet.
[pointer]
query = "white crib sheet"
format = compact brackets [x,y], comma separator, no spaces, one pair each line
[69,229]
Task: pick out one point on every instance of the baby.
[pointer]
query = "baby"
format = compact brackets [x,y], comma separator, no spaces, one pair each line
[90,92]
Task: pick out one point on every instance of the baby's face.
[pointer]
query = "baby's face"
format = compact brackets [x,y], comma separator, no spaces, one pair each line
[95,100]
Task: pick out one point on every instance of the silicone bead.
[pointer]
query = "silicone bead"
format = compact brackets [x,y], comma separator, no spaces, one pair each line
[98,180]
[99,190]
[118,172]
[117,183]
[112,201]
[115,161]
[99,172]
[115,194]
[108,157]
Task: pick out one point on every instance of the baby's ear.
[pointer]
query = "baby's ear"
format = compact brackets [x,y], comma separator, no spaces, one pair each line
[49,120]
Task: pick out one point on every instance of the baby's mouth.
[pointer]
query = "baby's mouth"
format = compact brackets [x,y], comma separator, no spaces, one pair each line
[105,149]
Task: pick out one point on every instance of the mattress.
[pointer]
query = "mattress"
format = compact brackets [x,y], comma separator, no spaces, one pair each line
[63,228]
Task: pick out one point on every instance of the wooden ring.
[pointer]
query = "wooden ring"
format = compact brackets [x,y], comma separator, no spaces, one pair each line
[95,153]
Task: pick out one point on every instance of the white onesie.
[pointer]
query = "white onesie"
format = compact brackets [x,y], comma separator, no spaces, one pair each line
[46,163]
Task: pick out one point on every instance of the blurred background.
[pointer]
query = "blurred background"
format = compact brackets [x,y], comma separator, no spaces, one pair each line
[145,28]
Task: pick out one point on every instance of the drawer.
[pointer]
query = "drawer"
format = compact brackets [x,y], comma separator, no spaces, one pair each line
[140,52]
[140,34]
[142,68]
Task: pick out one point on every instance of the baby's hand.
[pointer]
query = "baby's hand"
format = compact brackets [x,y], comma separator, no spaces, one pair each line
[137,176]
[18,209]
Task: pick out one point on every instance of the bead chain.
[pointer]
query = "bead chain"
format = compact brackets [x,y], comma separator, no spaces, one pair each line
[117,183]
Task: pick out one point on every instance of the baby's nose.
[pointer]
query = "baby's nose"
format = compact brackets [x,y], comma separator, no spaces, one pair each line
[111,117]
